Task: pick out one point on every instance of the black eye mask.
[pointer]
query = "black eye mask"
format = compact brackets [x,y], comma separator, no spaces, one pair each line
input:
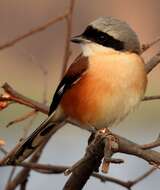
[102,38]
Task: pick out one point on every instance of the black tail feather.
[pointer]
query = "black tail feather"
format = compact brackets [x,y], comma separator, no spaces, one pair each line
[29,145]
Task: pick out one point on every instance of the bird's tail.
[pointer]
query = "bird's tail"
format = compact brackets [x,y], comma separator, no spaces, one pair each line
[29,145]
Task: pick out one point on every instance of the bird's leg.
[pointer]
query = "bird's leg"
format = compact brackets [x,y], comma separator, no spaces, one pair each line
[93,132]
[91,138]
[110,142]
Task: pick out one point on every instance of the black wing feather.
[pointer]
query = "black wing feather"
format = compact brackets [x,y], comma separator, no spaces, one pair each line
[74,72]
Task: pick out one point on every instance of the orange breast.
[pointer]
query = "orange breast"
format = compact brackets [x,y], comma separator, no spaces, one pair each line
[99,96]
[82,100]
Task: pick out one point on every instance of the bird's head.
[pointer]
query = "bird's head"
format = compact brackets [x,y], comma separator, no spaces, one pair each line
[110,33]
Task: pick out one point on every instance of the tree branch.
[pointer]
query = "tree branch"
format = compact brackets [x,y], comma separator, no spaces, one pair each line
[94,155]
[153,62]
[55,169]
[85,167]
[126,184]
[21,99]
[129,147]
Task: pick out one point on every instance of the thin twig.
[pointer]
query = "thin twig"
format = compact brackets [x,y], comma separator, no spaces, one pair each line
[26,129]
[67,51]
[22,118]
[33,31]
[24,173]
[153,144]
[145,47]
[104,178]
[44,72]
[21,176]
[56,169]
[130,184]
[147,98]
[126,184]
[152,63]
[3,151]
[28,126]
[11,176]
[21,99]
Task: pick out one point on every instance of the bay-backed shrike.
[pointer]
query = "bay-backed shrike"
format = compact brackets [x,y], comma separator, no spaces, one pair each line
[100,88]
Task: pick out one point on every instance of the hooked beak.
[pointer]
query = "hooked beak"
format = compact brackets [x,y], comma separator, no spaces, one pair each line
[78,39]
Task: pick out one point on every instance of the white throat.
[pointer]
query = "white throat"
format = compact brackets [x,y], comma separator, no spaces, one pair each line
[90,48]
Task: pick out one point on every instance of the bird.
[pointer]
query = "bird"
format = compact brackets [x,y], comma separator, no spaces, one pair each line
[101,87]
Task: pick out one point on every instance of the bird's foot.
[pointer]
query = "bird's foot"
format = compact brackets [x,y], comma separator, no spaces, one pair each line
[111,143]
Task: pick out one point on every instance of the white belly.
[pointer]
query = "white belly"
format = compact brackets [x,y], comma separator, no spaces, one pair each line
[125,83]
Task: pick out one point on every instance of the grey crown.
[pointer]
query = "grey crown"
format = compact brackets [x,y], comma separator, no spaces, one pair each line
[120,30]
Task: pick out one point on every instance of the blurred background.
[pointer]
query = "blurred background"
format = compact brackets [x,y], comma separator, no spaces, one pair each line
[19,67]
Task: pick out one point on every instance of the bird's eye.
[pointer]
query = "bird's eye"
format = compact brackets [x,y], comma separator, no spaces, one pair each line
[101,37]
